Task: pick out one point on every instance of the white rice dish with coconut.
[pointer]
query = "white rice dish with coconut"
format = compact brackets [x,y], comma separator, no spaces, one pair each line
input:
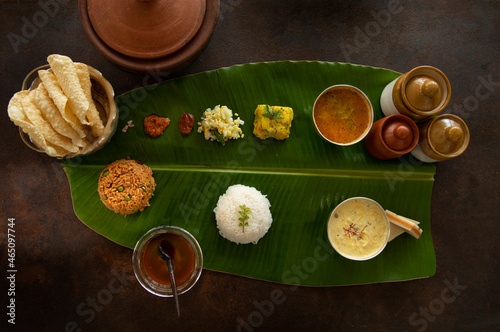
[220,120]
[243,214]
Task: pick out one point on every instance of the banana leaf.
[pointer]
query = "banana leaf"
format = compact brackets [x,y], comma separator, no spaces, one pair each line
[304,177]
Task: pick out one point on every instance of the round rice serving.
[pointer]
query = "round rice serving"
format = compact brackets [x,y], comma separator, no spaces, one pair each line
[228,214]
[125,186]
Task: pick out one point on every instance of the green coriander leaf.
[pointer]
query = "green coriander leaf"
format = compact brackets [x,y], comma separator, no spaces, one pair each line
[266,109]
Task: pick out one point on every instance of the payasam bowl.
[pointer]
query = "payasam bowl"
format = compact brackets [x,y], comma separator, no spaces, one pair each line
[358,228]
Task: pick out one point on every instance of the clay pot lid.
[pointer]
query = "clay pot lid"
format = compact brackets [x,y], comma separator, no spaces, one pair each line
[146,29]
[398,135]
[423,92]
[449,134]
[163,66]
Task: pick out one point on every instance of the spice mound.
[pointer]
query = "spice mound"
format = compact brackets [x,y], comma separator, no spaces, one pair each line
[126,186]
[155,125]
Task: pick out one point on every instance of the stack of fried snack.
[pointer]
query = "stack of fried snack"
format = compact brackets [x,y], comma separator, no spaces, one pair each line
[59,115]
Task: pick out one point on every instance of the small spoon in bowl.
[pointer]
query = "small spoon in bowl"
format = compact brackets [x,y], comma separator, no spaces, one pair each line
[162,251]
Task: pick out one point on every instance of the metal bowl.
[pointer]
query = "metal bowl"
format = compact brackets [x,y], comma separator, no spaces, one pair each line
[333,221]
[103,95]
[359,93]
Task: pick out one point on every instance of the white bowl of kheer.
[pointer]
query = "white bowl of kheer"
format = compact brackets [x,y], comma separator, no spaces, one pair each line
[358,228]
[65,109]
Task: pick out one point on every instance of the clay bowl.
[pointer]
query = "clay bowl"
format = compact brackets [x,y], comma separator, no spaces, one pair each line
[164,65]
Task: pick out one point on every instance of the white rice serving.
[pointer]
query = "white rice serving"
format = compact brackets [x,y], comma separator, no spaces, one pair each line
[227,214]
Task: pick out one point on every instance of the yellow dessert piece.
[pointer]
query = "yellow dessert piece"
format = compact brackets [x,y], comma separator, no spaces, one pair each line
[272,121]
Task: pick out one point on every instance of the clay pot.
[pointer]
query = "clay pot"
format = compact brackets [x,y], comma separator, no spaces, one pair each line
[392,137]
[441,138]
[419,94]
[145,36]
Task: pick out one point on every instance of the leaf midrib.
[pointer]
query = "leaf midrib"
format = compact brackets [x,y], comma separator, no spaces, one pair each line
[340,173]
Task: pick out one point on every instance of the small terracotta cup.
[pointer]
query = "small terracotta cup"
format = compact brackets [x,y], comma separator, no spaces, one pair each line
[392,137]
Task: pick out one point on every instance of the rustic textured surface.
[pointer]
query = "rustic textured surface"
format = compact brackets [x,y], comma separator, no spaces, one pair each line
[70,277]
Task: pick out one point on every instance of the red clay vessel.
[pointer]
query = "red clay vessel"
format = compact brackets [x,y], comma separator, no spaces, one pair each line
[392,137]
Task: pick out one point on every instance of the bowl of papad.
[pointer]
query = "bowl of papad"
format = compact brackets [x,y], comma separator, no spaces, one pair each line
[65,109]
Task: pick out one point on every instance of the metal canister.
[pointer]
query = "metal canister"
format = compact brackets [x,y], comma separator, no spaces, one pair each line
[419,94]
[441,138]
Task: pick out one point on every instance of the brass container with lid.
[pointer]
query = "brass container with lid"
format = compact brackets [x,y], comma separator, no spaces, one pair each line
[419,94]
[441,138]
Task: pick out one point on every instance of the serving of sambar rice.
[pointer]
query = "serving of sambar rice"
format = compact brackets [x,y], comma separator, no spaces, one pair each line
[125,186]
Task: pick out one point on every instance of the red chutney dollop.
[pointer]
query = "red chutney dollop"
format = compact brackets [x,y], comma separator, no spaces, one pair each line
[155,125]
[186,123]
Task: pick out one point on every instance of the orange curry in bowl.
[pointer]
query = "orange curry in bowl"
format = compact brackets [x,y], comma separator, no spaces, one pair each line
[343,114]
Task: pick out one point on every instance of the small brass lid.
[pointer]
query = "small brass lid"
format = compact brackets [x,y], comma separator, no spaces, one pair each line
[423,93]
[397,135]
[449,135]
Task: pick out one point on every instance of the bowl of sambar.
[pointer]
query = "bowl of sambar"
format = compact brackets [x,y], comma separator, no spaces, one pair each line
[343,114]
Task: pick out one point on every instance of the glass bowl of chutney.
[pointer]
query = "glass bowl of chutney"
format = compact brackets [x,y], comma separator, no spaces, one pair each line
[151,270]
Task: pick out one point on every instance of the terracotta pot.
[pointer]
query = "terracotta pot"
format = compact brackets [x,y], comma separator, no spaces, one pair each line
[171,56]
[392,136]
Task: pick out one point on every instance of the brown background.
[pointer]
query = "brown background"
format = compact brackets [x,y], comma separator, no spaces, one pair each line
[63,266]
